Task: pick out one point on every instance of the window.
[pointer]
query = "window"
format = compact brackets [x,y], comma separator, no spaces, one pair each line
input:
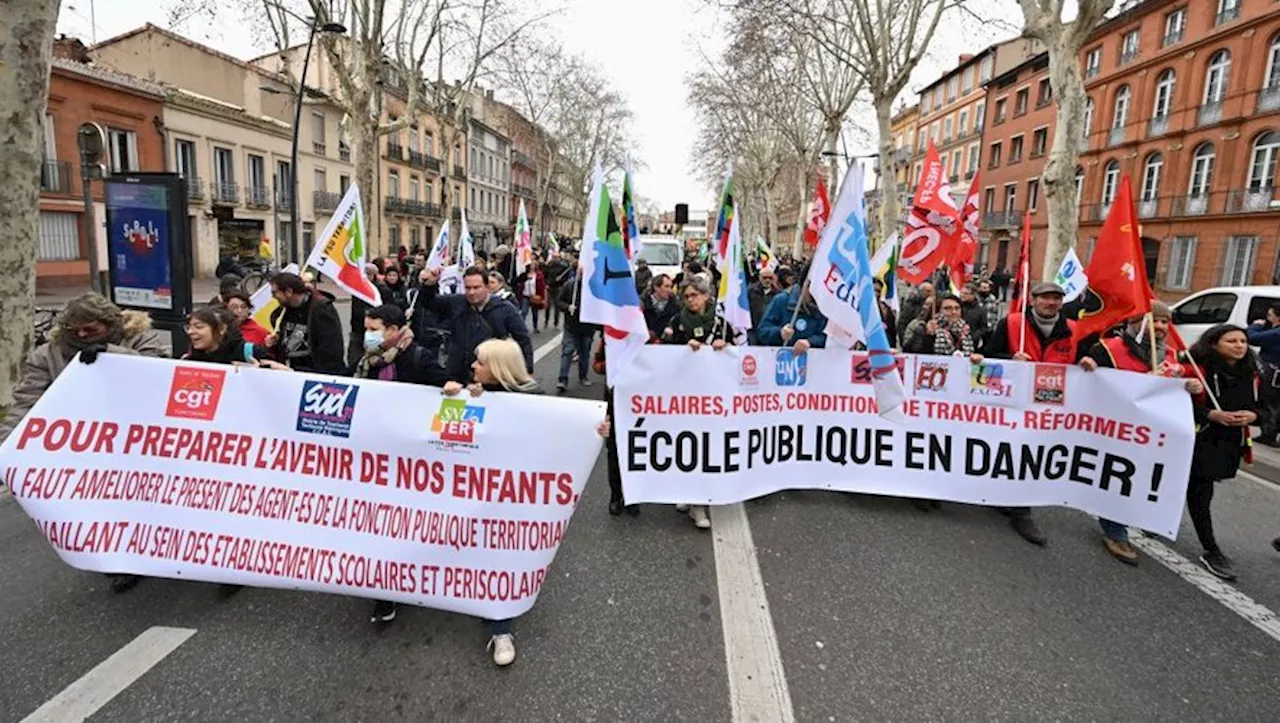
[985,71]
[393,235]
[967,83]
[1015,149]
[1088,117]
[344,182]
[1215,80]
[415,236]
[1120,118]
[1201,170]
[924,104]
[1110,182]
[1000,111]
[946,129]
[428,144]
[1010,197]
[1182,252]
[124,150]
[1208,309]
[1262,169]
[1021,101]
[1044,93]
[937,97]
[1129,46]
[474,206]
[1272,78]
[1039,142]
[414,183]
[1093,62]
[943,162]
[1164,94]
[952,86]
[1151,171]
[224,167]
[933,132]
[1033,194]
[1175,25]
[1237,269]
[980,114]
[184,154]
[393,188]
[321,180]
[1228,10]
[963,127]
[993,158]
[284,181]
[973,159]
[955,163]
[317,133]
[989,199]
[257,178]
[1079,184]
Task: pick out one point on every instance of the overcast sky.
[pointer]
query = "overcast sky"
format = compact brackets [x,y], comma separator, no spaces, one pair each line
[645,48]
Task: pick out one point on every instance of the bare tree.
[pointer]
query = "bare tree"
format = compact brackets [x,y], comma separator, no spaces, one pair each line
[26,42]
[1064,39]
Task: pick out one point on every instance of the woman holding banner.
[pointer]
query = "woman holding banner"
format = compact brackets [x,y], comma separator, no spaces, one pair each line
[696,325]
[954,335]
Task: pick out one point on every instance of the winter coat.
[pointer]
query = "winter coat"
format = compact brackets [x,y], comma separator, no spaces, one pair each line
[657,320]
[911,307]
[47,361]
[916,338]
[999,345]
[643,277]
[975,315]
[309,336]
[569,301]
[1267,339]
[758,298]
[810,324]
[1219,449]
[539,288]
[705,327]
[469,326]
[952,337]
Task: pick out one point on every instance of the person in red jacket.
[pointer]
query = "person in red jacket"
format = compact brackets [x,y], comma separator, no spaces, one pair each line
[1133,350]
[238,303]
[1050,337]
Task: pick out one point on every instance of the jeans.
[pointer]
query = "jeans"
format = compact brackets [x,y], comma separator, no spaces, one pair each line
[1114,530]
[501,627]
[581,343]
[1199,498]
[524,311]
[551,307]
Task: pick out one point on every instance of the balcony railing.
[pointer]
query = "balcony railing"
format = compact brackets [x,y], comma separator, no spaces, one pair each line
[325,200]
[319,149]
[433,164]
[1148,208]
[1011,218]
[522,159]
[1128,56]
[195,189]
[395,152]
[417,159]
[344,152]
[1115,136]
[1191,205]
[409,207]
[1158,126]
[225,193]
[1269,98]
[520,190]
[257,197]
[55,177]
[1252,200]
[1172,38]
[459,172]
[433,209]
[1227,15]
[284,199]
[1209,113]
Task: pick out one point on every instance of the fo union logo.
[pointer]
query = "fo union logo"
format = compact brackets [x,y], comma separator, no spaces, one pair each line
[792,369]
[327,408]
[932,376]
[1050,384]
[457,421]
[749,369]
[988,380]
[195,392]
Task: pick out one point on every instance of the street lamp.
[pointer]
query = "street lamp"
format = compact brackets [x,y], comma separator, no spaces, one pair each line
[335,28]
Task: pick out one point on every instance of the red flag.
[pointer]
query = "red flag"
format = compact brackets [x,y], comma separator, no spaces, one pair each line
[965,250]
[1118,287]
[1022,282]
[933,224]
[819,212]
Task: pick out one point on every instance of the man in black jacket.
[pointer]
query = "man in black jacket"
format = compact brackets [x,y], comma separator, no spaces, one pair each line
[660,305]
[472,317]
[759,295]
[974,314]
[308,331]
[577,335]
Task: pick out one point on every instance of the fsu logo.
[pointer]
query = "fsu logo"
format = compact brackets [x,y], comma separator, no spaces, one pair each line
[988,380]
[1050,384]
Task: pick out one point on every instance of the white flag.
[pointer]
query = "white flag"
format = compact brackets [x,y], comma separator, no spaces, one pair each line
[439,257]
[466,250]
[1071,276]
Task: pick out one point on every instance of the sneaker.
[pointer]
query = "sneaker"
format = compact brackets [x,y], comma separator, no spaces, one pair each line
[584,382]
[1218,565]
[1122,551]
[1028,530]
[384,611]
[682,508]
[700,518]
[504,649]
[562,387]
[123,583]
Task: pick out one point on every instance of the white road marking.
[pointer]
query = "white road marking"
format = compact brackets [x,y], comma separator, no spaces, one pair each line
[96,688]
[1262,482]
[757,683]
[1230,596]
[545,349]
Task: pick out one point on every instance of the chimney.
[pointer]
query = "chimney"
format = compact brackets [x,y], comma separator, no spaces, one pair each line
[965,57]
[489,94]
[70,49]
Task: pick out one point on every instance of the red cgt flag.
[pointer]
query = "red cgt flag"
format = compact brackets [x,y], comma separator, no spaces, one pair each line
[933,225]
[1022,282]
[1118,287]
[965,251]
[819,212]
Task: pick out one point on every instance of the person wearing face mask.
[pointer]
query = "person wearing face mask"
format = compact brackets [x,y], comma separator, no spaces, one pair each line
[237,302]
[390,353]
[1133,351]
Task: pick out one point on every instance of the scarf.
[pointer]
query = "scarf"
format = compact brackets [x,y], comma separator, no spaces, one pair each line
[382,359]
[1045,325]
[1142,347]
[705,321]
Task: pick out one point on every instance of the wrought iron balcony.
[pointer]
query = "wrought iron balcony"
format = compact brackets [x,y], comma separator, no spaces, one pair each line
[225,194]
[1252,200]
[522,159]
[55,177]
[1115,136]
[459,173]
[1010,219]
[284,199]
[1172,38]
[1158,126]
[1227,15]
[1209,113]
[1269,98]
[325,200]
[395,151]
[520,190]
[257,197]
[1191,205]
[1148,208]
[195,189]
[417,159]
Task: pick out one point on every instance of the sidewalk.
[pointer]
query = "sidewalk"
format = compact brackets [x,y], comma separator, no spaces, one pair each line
[1266,462]
[201,291]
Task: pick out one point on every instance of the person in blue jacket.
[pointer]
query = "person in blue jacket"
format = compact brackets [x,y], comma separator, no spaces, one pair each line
[1265,334]
[809,329]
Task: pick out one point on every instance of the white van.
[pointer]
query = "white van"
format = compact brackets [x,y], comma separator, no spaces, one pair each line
[1239,305]
[665,254]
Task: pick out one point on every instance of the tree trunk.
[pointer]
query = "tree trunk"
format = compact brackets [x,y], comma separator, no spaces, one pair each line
[364,149]
[802,215]
[831,133]
[26,43]
[888,168]
[1059,176]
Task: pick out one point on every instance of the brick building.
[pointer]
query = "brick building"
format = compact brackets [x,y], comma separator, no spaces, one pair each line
[130,110]
[1185,100]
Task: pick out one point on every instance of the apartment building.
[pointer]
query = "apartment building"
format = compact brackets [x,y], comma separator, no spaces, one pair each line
[415,173]
[130,110]
[903,126]
[228,129]
[952,114]
[1185,99]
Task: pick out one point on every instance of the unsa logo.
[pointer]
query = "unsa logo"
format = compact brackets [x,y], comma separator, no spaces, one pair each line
[195,392]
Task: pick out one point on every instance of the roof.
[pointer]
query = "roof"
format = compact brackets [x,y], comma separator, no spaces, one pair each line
[1011,74]
[193,98]
[124,81]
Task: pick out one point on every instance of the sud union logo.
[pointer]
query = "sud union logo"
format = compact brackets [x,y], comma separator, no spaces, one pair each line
[327,408]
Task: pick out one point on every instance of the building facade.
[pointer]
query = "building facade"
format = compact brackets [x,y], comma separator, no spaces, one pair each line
[415,172]
[131,112]
[489,178]
[903,126]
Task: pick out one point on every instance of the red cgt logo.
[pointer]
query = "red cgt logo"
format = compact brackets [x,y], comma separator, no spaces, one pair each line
[195,392]
[1051,384]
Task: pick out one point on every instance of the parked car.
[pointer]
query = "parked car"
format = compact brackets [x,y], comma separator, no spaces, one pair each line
[1240,305]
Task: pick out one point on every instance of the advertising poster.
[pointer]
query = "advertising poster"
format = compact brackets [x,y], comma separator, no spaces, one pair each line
[138,239]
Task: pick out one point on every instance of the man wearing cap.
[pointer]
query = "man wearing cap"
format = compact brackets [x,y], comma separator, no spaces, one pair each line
[1039,334]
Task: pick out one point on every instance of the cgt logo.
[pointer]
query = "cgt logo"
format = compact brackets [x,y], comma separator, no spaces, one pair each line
[457,421]
[861,371]
[1050,384]
[932,376]
[195,392]
[791,370]
[749,369]
[327,408]
[988,380]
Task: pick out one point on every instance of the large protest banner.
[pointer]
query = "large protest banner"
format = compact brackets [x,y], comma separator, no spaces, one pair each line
[290,480]
[711,427]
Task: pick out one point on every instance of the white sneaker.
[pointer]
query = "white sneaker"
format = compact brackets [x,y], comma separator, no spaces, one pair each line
[682,508]
[700,518]
[504,649]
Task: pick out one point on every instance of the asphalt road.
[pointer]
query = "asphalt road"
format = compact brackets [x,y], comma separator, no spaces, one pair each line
[880,612]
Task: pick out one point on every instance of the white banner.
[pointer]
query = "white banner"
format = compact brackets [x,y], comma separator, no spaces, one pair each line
[711,427]
[290,480]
